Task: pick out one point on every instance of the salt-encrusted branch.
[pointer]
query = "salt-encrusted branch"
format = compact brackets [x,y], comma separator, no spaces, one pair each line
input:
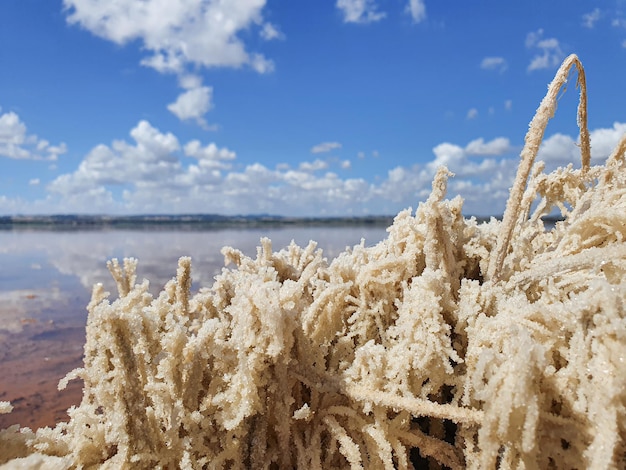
[415,406]
[533,140]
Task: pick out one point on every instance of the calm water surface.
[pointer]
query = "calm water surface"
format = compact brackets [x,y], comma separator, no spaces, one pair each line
[46,279]
[47,276]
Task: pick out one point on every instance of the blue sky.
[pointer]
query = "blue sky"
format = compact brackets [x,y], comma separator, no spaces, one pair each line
[306,107]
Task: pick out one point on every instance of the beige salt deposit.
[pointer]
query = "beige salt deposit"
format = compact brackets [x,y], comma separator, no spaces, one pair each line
[465,345]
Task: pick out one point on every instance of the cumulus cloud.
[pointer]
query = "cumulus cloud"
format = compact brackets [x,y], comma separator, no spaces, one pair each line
[17,144]
[548,53]
[494,63]
[497,146]
[153,172]
[193,104]
[404,184]
[508,105]
[359,11]
[176,33]
[325,147]
[558,149]
[604,140]
[417,10]
[179,36]
[313,166]
[484,186]
[149,160]
[152,176]
[210,156]
[561,149]
[449,155]
[591,18]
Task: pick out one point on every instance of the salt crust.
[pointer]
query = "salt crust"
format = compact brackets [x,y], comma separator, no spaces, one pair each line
[488,345]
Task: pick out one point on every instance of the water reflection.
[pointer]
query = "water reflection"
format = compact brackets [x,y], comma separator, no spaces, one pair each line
[45,284]
[36,259]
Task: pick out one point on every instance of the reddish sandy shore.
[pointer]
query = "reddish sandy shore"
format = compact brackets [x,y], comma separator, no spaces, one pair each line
[31,364]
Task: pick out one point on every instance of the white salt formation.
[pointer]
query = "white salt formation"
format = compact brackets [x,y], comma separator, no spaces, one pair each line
[496,345]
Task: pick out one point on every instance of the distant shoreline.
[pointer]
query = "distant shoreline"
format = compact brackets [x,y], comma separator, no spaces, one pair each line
[185,222]
[194,222]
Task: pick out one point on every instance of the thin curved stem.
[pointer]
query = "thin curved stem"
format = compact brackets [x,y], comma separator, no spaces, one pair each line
[529,152]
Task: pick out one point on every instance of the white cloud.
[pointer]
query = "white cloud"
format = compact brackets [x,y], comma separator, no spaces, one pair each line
[261,64]
[366,11]
[618,23]
[591,18]
[359,11]
[34,181]
[497,146]
[325,147]
[560,149]
[189,81]
[149,160]
[269,32]
[313,166]
[548,53]
[494,63]
[153,172]
[449,155]
[403,186]
[193,104]
[533,37]
[508,105]
[181,35]
[17,144]
[210,156]
[604,140]
[12,130]
[417,10]
[346,164]
[176,33]
[484,186]
[472,113]
[152,176]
